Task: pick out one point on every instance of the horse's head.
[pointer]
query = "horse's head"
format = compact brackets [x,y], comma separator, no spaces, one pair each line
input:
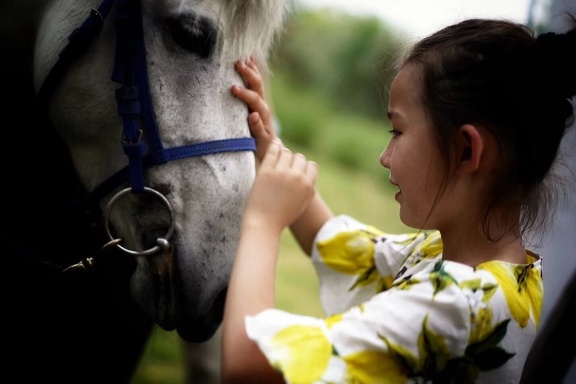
[190,47]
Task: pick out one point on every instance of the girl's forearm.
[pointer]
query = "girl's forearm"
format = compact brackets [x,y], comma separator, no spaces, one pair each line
[309,223]
[251,290]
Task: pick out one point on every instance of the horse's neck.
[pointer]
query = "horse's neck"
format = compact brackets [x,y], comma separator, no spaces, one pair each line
[20,18]
[36,152]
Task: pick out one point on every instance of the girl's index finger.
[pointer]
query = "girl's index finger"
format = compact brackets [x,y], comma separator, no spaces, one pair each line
[251,76]
[254,101]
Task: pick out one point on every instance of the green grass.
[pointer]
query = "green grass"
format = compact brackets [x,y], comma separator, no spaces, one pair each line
[163,361]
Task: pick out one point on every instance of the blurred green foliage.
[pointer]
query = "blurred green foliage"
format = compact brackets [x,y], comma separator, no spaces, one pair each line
[340,56]
[326,85]
[312,122]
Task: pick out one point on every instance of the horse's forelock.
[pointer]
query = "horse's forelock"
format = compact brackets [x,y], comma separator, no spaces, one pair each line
[251,27]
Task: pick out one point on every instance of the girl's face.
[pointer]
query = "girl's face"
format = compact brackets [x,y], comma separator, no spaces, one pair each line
[412,156]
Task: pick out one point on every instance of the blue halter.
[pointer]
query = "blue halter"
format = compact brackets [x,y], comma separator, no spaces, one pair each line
[140,139]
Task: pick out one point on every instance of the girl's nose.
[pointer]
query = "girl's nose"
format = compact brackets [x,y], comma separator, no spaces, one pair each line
[385,158]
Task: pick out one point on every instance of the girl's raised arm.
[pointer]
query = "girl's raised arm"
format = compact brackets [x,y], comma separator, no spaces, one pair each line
[261,122]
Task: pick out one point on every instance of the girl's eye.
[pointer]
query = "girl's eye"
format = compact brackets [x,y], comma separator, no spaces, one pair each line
[394,133]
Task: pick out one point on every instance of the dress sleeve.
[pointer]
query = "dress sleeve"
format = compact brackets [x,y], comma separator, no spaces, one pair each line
[393,336]
[354,261]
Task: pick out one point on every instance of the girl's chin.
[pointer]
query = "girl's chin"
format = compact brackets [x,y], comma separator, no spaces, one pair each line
[410,221]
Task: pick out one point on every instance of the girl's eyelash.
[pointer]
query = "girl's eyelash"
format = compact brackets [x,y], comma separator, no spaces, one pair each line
[394,132]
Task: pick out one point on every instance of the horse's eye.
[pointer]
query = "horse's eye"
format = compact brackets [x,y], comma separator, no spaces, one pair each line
[195,35]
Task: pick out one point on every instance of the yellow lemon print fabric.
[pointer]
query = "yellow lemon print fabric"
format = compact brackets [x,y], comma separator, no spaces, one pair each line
[398,313]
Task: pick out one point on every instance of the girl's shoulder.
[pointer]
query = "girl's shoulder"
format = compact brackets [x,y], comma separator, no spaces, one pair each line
[348,230]
[494,272]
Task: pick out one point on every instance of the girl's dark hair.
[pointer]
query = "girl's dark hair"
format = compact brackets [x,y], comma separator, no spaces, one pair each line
[497,74]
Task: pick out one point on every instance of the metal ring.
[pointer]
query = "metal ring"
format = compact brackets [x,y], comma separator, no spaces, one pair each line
[161,241]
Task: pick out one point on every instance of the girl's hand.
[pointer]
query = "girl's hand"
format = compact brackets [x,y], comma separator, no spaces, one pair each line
[283,188]
[260,120]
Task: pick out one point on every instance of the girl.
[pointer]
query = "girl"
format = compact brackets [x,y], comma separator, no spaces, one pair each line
[478,110]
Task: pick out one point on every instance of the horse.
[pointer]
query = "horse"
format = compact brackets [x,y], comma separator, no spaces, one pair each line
[128,166]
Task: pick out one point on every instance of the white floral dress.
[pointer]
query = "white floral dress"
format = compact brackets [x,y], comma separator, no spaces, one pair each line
[398,313]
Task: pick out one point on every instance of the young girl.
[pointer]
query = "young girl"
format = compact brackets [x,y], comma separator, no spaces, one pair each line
[478,110]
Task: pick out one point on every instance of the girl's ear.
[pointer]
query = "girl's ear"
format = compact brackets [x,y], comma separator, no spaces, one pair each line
[471,149]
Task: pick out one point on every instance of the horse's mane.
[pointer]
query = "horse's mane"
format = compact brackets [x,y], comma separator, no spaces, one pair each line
[251,27]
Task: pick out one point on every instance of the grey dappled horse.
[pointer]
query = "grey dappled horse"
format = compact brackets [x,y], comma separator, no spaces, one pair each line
[126,166]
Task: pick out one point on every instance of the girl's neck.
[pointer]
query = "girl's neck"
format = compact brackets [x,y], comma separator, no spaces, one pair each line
[473,248]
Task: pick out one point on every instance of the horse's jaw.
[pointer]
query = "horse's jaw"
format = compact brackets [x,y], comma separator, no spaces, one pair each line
[184,287]
[161,287]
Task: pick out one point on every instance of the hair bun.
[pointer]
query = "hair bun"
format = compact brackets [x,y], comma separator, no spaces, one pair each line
[556,55]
